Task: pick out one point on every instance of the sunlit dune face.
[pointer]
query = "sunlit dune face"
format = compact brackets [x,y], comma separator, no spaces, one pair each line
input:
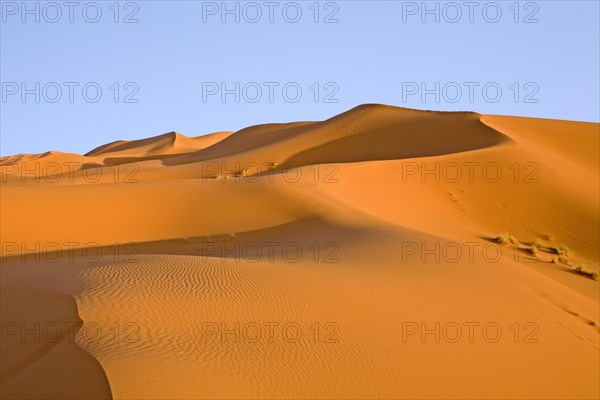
[382,253]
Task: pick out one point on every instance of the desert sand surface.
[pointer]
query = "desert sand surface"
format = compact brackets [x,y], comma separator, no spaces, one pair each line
[382,253]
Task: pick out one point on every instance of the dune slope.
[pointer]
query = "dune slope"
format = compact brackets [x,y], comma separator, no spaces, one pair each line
[348,258]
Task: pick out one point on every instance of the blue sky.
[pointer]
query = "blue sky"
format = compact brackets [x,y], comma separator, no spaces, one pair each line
[88,73]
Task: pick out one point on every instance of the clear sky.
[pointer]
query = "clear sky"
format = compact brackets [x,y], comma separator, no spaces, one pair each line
[79,74]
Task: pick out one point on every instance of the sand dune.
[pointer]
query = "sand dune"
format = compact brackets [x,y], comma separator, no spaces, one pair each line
[293,260]
[158,147]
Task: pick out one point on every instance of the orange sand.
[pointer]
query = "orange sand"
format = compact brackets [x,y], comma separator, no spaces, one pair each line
[349,258]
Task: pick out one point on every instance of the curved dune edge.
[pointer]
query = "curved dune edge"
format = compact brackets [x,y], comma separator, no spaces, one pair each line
[40,355]
[356,202]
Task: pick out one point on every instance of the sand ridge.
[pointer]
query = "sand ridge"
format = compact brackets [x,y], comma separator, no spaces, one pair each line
[296,260]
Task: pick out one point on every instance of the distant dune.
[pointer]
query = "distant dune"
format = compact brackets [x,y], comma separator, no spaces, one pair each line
[382,253]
